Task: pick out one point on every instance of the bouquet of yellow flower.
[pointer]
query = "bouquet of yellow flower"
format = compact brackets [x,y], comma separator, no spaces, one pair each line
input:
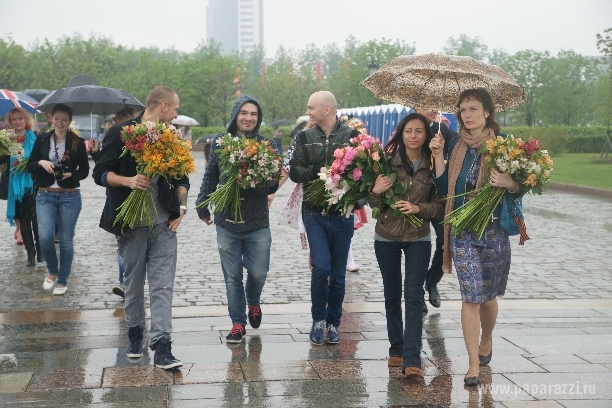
[350,176]
[158,150]
[246,163]
[528,165]
[9,146]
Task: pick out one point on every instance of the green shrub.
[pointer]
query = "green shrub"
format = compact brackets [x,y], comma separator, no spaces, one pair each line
[563,139]
[199,131]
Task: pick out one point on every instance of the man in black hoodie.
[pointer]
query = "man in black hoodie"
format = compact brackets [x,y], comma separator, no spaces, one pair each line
[241,243]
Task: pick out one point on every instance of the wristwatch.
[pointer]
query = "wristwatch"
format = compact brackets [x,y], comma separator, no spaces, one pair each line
[184,208]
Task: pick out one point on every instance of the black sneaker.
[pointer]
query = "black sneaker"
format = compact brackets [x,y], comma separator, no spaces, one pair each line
[255,316]
[135,348]
[163,354]
[119,290]
[332,334]
[236,334]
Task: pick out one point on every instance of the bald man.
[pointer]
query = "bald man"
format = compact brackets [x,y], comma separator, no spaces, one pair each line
[329,235]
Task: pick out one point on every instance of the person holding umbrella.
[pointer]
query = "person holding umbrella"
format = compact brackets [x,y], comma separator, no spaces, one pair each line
[59,162]
[21,206]
[482,264]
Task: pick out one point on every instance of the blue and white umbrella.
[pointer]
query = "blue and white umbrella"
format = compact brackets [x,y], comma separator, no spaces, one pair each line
[10,99]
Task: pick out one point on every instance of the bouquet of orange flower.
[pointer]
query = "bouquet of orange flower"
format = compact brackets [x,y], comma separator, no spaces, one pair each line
[158,150]
[350,176]
[246,163]
[527,164]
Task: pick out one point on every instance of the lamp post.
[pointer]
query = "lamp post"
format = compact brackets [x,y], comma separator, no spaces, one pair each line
[373,67]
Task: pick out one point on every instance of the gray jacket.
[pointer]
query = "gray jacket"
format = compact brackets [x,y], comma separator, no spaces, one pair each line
[254,205]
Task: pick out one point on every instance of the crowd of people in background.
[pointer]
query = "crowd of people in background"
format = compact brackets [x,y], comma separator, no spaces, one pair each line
[44,202]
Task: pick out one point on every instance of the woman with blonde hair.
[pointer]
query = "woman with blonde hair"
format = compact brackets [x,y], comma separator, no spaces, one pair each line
[21,206]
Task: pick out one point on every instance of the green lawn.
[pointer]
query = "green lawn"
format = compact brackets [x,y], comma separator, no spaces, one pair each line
[581,169]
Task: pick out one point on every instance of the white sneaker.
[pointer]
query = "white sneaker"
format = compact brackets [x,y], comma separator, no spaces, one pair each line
[60,291]
[354,268]
[48,284]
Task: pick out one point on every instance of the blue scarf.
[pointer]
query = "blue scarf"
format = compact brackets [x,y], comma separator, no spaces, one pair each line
[19,184]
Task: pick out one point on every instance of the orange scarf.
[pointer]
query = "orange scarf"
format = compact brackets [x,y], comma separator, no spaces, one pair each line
[454,168]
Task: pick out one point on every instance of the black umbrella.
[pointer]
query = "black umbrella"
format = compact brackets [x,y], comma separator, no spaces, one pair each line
[280,122]
[90,99]
[37,94]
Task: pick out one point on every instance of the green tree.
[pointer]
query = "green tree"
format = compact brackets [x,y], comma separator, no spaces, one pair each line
[13,65]
[527,69]
[604,84]
[567,91]
[498,57]
[464,45]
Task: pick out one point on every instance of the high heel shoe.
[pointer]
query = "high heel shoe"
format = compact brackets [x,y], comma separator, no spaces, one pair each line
[484,360]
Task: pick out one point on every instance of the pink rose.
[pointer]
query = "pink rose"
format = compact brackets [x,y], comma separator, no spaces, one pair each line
[356,173]
[375,156]
[335,177]
[339,153]
[360,147]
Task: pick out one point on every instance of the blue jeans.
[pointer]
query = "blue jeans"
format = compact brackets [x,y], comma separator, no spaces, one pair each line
[66,207]
[389,256]
[329,237]
[120,262]
[250,250]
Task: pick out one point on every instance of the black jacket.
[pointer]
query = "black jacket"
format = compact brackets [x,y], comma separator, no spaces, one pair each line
[254,207]
[77,162]
[109,160]
[314,150]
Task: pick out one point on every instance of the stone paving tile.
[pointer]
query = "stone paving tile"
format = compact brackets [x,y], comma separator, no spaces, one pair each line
[565,386]
[112,396]
[14,382]
[287,370]
[65,379]
[209,373]
[449,390]
[500,364]
[556,359]
[570,344]
[597,358]
[532,404]
[136,377]
[586,403]
[574,368]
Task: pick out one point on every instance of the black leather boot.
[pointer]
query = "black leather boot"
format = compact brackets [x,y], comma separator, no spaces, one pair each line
[39,254]
[28,241]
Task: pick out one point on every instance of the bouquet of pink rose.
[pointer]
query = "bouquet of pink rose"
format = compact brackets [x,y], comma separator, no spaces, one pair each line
[350,176]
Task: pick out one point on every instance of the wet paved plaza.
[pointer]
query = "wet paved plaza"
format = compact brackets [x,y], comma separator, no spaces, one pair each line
[553,344]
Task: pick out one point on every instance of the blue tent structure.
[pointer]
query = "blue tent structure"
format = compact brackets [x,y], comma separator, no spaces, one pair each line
[381,120]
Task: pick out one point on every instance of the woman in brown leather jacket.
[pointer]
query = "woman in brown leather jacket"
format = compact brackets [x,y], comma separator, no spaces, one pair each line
[411,161]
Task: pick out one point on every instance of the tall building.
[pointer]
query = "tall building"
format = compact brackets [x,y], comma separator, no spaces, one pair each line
[236,24]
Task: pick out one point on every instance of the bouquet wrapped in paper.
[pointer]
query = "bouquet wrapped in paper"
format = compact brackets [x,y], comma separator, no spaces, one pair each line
[350,176]
[528,165]
[158,150]
[246,163]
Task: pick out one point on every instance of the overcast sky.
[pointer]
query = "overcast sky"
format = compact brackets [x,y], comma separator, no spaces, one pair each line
[510,24]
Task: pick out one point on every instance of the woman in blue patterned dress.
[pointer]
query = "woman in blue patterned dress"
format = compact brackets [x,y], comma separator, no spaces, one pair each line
[482,265]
